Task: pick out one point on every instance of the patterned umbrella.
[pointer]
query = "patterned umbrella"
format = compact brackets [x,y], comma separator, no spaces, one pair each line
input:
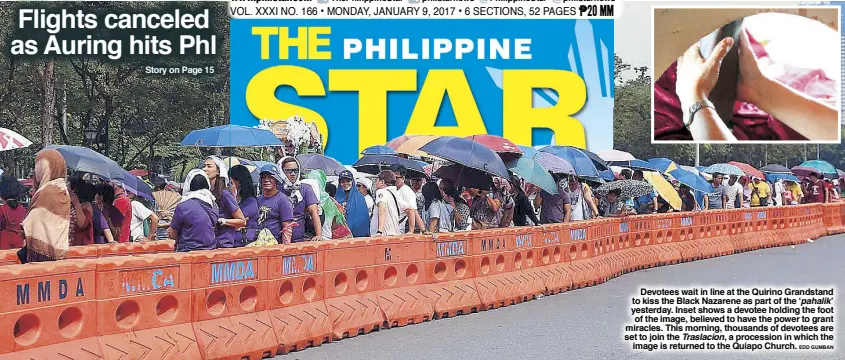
[748,169]
[725,169]
[10,140]
[629,188]
[774,168]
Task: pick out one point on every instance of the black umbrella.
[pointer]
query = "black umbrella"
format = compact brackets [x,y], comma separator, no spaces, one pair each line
[373,164]
[775,168]
[628,188]
[461,175]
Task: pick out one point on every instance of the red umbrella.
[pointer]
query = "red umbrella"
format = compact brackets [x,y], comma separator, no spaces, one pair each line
[496,143]
[139,172]
[748,169]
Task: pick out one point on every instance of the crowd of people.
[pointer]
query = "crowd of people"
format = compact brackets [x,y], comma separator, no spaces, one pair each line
[221,207]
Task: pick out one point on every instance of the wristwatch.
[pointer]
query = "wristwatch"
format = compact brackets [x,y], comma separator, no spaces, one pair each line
[698,105]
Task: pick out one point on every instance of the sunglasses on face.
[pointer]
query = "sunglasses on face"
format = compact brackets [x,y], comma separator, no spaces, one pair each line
[291,171]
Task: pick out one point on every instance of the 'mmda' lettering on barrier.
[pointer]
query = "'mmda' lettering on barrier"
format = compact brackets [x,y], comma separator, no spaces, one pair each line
[686,221]
[578,234]
[451,248]
[233,271]
[623,227]
[45,293]
[552,238]
[524,240]
[152,279]
[298,264]
[492,244]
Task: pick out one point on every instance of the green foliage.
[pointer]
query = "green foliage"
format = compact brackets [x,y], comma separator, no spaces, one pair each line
[632,133]
[145,116]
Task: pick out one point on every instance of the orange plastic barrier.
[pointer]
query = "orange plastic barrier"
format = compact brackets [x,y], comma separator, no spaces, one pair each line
[257,302]
[451,276]
[229,306]
[295,289]
[49,309]
[144,303]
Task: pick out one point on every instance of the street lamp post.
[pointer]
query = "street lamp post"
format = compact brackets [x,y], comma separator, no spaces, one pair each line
[90,133]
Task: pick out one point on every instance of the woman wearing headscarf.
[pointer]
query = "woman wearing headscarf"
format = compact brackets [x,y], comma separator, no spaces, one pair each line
[12,214]
[365,187]
[357,213]
[196,216]
[243,189]
[334,223]
[47,223]
[303,199]
[230,216]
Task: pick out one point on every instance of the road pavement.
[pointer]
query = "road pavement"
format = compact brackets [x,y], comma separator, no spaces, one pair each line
[588,323]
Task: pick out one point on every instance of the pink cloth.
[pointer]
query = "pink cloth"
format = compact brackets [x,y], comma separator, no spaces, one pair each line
[750,123]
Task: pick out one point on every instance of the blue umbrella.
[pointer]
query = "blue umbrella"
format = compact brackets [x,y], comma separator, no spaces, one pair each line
[725,169]
[772,177]
[584,165]
[531,171]
[320,162]
[136,186]
[635,164]
[600,164]
[373,164]
[608,175]
[692,180]
[378,150]
[661,164]
[83,159]
[231,136]
[468,153]
[823,167]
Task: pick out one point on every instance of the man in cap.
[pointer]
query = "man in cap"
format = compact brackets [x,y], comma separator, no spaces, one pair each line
[411,219]
[760,192]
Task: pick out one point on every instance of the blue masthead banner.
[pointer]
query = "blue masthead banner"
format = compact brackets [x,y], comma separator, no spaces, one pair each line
[364,82]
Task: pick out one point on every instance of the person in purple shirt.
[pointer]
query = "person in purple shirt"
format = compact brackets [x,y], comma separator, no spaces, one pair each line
[195,217]
[275,211]
[243,189]
[304,202]
[229,215]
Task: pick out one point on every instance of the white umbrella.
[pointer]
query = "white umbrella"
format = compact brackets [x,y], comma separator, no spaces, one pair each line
[10,140]
[615,155]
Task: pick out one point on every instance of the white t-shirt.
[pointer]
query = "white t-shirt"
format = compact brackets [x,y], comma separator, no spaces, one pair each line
[139,214]
[407,200]
[389,196]
[370,203]
[779,189]
[733,191]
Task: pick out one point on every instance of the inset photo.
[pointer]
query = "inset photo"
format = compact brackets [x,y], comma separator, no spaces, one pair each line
[746,75]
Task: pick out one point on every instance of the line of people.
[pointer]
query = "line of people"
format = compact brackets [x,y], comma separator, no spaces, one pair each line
[221,207]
